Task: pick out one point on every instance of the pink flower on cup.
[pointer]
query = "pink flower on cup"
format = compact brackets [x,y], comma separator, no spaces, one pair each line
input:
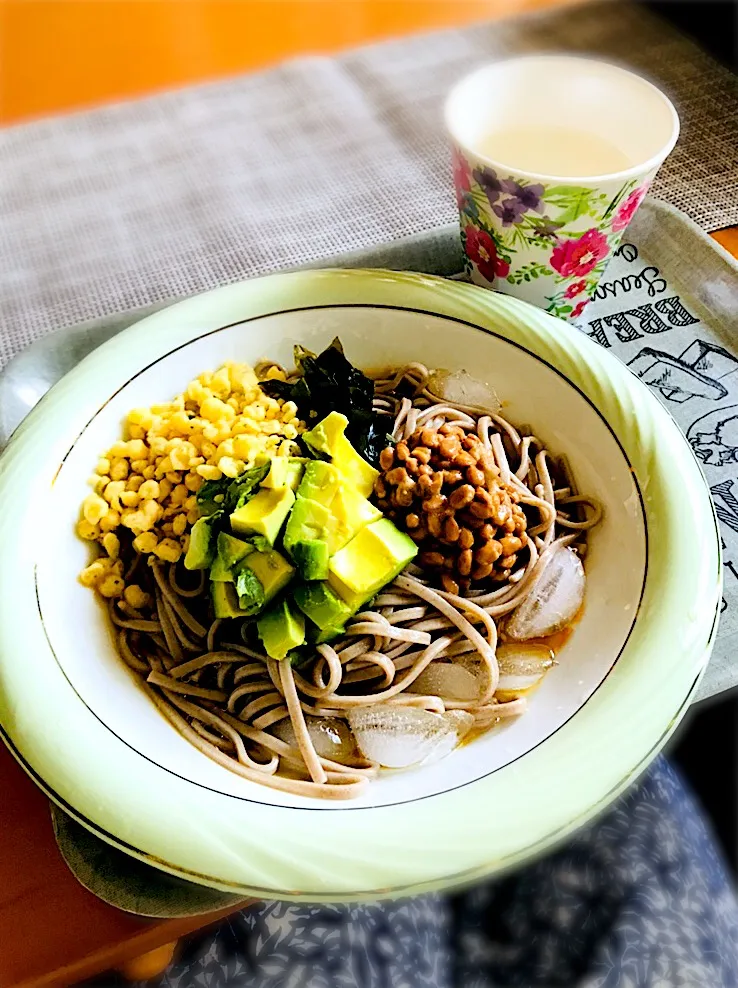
[481,248]
[462,178]
[579,308]
[625,213]
[575,258]
[575,288]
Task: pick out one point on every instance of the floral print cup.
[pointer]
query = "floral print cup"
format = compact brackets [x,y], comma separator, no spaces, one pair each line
[547,238]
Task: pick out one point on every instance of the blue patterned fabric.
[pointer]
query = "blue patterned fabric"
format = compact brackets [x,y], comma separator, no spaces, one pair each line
[639,899]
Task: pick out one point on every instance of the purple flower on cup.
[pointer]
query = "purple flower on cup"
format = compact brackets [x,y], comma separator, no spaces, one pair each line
[490,183]
[529,196]
[509,211]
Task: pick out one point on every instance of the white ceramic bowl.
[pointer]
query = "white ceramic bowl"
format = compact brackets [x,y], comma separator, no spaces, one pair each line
[79,722]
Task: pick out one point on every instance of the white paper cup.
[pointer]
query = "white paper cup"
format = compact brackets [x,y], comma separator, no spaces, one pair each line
[547,237]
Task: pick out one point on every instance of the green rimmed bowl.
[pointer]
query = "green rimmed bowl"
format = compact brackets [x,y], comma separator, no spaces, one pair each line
[80,724]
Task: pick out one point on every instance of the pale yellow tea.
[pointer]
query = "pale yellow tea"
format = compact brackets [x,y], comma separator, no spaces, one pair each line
[563,152]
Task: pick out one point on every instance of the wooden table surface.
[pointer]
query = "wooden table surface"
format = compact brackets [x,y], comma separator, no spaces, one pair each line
[60,55]
[57,55]
[53,931]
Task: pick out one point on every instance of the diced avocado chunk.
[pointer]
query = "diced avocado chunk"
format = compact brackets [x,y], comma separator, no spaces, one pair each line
[353,467]
[232,550]
[371,559]
[251,596]
[329,437]
[311,558]
[277,472]
[202,545]
[311,521]
[320,482]
[354,509]
[281,629]
[308,521]
[264,514]
[354,598]
[219,572]
[328,634]
[322,437]
[271,569]
[317,636]
[284,472]
[324,607]
[295,469]
[350,511]
[225,601]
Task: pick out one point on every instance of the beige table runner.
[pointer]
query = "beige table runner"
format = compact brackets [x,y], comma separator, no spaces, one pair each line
[112,209]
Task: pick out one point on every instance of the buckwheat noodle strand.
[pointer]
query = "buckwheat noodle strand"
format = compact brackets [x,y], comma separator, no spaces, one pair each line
[232,702]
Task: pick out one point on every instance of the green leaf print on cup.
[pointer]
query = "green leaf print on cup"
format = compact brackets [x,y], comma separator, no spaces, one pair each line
[527,271]
[540,238]
[573,202]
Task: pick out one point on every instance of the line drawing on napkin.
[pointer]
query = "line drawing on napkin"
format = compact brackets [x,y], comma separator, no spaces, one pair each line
[695,373]
[714,437]
[728,511]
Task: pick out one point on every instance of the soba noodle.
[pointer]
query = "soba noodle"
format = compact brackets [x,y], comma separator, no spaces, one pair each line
[260,718]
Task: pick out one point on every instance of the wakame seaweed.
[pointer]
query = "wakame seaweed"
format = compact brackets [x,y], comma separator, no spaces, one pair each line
[330,383]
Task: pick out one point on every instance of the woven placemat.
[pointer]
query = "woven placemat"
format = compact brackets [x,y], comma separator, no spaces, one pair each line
[113,209]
